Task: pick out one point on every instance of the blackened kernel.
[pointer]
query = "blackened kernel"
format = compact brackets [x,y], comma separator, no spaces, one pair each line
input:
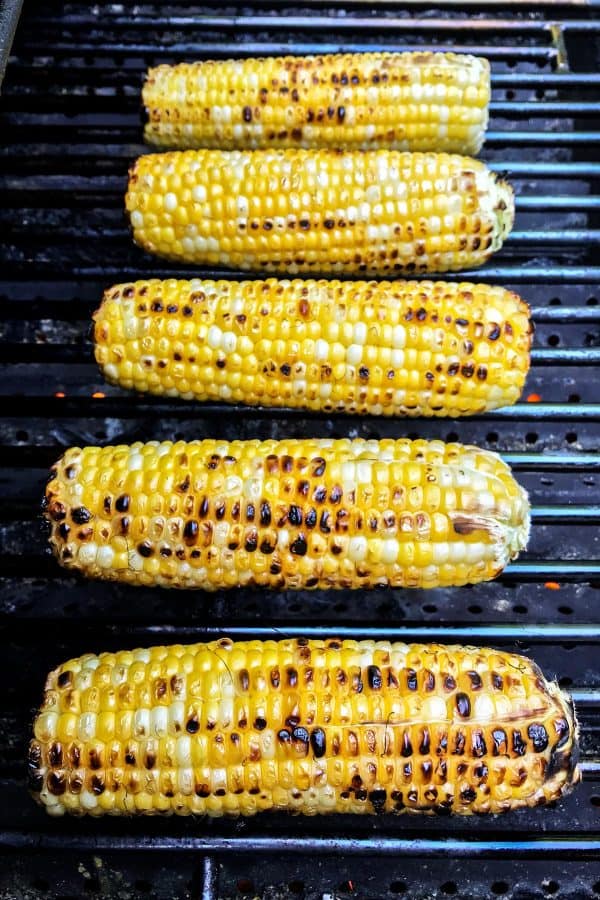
[500,742]
[292,676]
[411,680]
[518,744]
[336,494]
[476,682]
[250,512]
[425,744]
[459,743]
[57,783]
[251,542]
[463,705]
[468,794]
[266,547]
[374,678]
[363,372]
[260,724]
[318,742]
[295,515]
[494,333]
[122,503]
[55,754]
[203,508]
[538,736]
[192,724]
[449,683]
[265,513]
[247,114]
[301,735]
[190,532]
[299,546]
[482,373]
[561,727]
[81,515]
[145,549]
[478,745]
[467,370]
[406,745]
[429,680]
[453,368]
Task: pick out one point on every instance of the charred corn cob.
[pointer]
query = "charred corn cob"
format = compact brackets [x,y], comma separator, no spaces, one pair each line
[306,726]
[378,212]
[350,101]
[386,348]
[286,514]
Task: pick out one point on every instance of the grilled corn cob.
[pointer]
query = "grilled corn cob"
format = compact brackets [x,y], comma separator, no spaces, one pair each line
[306,726]
[319,210]
[286,514]
[395,348]
[350,101]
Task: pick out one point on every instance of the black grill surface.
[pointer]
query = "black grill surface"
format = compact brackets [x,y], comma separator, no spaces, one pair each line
[70,125]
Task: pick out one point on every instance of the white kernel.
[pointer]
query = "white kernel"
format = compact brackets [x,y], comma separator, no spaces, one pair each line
[325,391]
[87,553]
[416,91]
[86,727]
[354,354]
[364,212]
[321,350]
[397,358]
[357,549]
[159,721]
[228,341]
[141,723]
[238,131]
[220,534]
[434,709]
[183,751]
[323,179]
[170,202]
[370,131]
[349,473]
[185,781]
[389,550]
[135,462]
[483,708]
[105,557]
[398,336]
[136,562]
[88,800]
[188,244]
[199,193]
[360,333]
[137,218]
[214,337]
[242,205]
[373,193]
[176,716]
[363,471]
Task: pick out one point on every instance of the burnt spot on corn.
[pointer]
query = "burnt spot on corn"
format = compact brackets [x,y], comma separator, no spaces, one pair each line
[538,736]
[318,742]
[374,678]
[406,749]
[463,705]
[478,745]
[449,683]
[192,725]
[145,549]
[81,515]
[519,746]
[561,727]
[65,679]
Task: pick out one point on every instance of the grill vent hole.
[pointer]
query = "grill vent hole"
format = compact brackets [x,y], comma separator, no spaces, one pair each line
[565,610]
[346,887]
[565,681]
[531,437]
[143,886]
[595,800]
[499,887]
[430,608]
[591,301]
[91,886]
[553,340]
[520,608]
[22,435]
[296,887]
[550,887]
[398,887]
[571,437]
[492,437]
[448,887]
[40,884]
[596,887]
[574,398]
[451,437]
[245,886]
[475,609]
[555,301]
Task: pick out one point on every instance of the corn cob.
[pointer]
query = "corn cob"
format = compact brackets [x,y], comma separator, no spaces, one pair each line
[378,212]
[350,101]
[306,726]
[286,514]
[386,348]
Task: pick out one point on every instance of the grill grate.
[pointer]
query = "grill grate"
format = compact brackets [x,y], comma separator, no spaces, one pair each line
[69,114]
